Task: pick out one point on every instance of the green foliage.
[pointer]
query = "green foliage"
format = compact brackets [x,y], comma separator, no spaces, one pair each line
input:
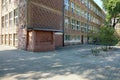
[112,8]
[106,48]
[95,51]
[106,36]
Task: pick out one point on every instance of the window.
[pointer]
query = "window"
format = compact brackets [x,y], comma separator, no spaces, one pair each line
[86,2]
[6,21]
[7,39]
[3,6]
[2,39]
[67,37]
[3,22]
[85,15]
[66,3]
[82,1]
[66,22]
[10,37]
[88,16]
[79,37]
[72,6]
[10,1]
[78,25]
[16,16]
[6,5]
[73,24]
[3,1]
[77,10]
[82,27]
[82,13]
[86,27]
[10,19]
[15,40]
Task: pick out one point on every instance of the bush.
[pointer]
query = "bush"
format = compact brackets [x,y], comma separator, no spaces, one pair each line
[95,51]
[106,48]
[106,36]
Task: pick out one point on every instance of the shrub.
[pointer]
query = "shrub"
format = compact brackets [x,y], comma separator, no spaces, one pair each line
[95,51]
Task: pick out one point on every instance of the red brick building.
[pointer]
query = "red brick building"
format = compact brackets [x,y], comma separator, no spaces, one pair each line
[42,25]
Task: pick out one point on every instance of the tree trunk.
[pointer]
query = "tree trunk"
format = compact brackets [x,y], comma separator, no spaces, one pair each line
[114,23]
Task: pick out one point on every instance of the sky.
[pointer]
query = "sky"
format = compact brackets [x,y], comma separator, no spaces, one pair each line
[99,2]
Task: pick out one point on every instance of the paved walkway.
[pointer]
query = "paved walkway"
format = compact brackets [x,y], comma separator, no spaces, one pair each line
[70,63]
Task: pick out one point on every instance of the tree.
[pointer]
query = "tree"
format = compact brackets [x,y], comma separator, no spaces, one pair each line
[106,36]
[112,7]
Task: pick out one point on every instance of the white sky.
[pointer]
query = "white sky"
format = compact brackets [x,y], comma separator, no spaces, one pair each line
[99,2]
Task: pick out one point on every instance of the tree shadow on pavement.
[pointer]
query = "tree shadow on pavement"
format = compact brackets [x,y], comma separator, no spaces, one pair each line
[58,64]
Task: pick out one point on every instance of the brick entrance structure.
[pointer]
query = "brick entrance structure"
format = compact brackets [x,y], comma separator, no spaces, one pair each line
[41,40]
[44,20]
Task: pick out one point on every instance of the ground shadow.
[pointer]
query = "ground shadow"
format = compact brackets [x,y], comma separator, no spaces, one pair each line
[19,64]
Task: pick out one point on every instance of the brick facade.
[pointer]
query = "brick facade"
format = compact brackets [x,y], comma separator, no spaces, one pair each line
[80,18]
[40,25]
[44,18]
[46,15]
[59,39]
[22,33]
[40,41]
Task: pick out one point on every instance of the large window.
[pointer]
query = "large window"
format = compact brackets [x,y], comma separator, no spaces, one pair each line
[3,22]
[7,39]
[6,21]
[66,3]
[6,5]
[3,6]
[2,37]
[15,40]
[10,19]
[10,39]
[16,17]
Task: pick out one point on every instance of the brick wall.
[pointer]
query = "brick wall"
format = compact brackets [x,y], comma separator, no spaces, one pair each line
[58,39]
[22,33]
[54,4]
[39,14]
[41,41]
[46,14]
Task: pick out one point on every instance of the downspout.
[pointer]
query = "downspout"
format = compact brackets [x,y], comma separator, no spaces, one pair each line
[26,13]
[63,21]
[1,23]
